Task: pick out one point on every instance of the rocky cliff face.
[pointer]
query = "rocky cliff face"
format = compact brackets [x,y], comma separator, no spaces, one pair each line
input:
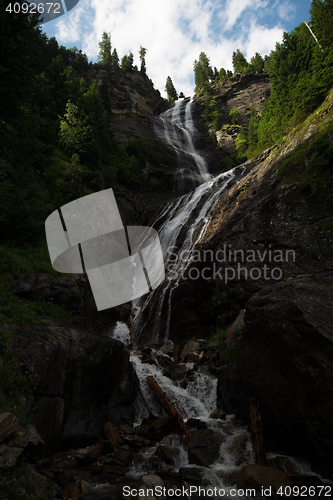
[78,382]
[279,215]
[241,92]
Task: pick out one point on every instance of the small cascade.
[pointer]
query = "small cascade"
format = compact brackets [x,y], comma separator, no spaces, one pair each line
[175,127]
[196,401]
[185,223]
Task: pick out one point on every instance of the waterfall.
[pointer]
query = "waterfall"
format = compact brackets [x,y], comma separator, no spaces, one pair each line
[182,223]
[175,127]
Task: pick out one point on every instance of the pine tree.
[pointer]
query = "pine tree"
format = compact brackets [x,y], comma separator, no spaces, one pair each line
[239,62]
[115,59]
[142,53]
[104,55]
[127,62]
[203,72]
[257,62]
[170,89]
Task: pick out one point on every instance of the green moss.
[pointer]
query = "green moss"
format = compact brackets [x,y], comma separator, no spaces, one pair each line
[219,343]
[242,191]
[16,261]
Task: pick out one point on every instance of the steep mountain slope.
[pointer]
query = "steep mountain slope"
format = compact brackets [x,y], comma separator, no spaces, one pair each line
[268,248]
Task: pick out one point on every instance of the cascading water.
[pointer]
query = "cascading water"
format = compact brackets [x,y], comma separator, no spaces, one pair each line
[182,223]
[198,401]
[175,127]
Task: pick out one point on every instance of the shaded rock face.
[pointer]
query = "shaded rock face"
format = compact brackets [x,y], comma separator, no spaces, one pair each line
[77,379]
[284,360]
[242,92]
[74,295]
[133,99]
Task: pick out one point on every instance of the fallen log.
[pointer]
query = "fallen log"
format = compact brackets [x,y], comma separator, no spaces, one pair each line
[169,408]
[257,433]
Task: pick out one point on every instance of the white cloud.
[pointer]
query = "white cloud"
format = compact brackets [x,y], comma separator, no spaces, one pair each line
[261,40]
[286,10]
[235,8]
[174,32]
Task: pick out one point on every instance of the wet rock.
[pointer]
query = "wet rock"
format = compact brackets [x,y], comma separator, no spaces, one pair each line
[283,464]
[9,456]
[178,372]
[85,487]
[89,454]
[218,414]
[196,423]
[115,469]
[237,448]
[168,347]
[71,492]
[151,481]
[204,447]
[157,429]
[136,441]
[167,454]
[8,424]
[191,474]
[190,351]
[126,429]
[123,454]
[258,476]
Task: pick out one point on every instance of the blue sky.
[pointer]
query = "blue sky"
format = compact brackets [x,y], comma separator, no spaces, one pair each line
[174,32]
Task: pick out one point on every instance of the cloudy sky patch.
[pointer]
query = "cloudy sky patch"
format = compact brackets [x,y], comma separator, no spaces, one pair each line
[174,32]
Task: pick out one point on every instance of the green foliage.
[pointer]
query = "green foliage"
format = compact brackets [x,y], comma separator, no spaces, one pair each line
[203,72]
[114,59]
[257,61]
[301,73]
[239,62]
[16,261]
[241,146]
[219,340]
[234,116]
[170,90]
[127,62]
[212,113]
[104,55]
[142,53]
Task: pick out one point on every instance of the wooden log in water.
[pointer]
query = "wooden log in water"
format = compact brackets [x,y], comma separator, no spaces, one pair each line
[169,408]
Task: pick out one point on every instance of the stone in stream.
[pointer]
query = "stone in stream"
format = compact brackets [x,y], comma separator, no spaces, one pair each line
[204,447]
[167,454]
[257,477]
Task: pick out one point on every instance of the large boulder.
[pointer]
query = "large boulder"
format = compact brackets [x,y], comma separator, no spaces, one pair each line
[285,362]
[78,380]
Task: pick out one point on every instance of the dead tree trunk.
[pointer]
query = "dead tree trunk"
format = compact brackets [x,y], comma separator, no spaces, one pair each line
[169,408]
[257,433]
